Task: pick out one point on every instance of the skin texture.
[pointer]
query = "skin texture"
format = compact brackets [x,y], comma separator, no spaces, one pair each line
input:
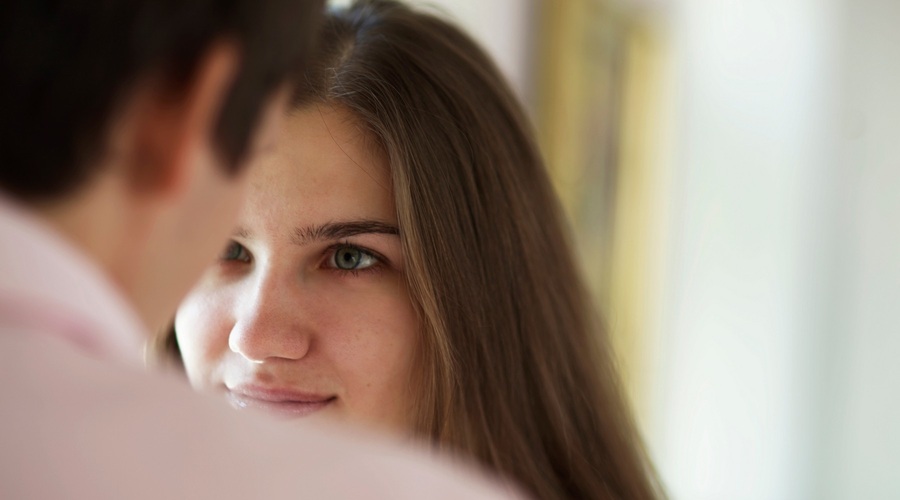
[275,323]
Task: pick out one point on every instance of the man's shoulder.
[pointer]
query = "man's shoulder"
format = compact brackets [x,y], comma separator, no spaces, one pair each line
[111,431]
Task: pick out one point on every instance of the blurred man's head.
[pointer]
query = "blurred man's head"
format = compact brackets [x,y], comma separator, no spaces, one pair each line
[127,124]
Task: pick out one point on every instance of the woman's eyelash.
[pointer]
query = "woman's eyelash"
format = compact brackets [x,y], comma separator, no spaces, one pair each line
[234,251]
[350,258]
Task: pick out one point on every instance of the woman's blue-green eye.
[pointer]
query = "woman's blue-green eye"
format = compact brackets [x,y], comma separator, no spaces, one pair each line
[350,258]
[235,251]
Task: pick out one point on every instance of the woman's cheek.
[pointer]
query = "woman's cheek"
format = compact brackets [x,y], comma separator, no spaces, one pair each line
[202,333]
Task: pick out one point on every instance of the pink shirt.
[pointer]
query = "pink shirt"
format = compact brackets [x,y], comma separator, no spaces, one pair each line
[80,419]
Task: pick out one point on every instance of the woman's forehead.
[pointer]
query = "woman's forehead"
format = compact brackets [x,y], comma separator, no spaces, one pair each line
[325,167]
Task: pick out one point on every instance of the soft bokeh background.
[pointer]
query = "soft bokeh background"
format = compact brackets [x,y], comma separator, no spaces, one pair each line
[732,171]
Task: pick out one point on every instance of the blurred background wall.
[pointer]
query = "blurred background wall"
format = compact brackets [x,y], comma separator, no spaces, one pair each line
[732,172]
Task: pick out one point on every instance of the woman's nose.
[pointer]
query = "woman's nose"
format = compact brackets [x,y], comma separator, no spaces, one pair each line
[271,323]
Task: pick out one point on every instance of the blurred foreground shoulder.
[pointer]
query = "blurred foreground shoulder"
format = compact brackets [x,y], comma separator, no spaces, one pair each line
[76,427]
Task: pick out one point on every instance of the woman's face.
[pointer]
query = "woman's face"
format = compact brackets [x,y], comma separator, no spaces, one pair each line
[307,310]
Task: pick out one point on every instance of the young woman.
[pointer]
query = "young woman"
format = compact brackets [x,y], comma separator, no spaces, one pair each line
[403,261]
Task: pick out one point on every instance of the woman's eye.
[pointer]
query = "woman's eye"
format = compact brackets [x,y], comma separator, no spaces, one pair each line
[235,251]
[350,258]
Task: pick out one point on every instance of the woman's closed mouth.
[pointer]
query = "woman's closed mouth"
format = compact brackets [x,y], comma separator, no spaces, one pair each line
[279,401]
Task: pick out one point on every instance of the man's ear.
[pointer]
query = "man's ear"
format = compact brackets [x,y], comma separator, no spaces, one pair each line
[170,127]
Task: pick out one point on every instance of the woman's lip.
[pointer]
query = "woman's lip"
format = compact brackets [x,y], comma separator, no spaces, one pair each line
[285,402]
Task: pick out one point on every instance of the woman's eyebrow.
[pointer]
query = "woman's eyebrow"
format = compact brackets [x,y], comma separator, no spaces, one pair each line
[240,232]
[338,230]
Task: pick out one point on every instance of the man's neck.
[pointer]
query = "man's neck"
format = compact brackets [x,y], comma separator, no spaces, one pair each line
[100,223]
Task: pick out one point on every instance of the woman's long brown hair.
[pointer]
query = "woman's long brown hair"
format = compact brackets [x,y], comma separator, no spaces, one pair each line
[516,368]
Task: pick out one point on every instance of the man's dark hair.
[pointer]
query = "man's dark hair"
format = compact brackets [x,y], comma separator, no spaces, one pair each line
[66,67]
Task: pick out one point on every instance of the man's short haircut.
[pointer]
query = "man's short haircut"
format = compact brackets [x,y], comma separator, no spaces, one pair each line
[66,67]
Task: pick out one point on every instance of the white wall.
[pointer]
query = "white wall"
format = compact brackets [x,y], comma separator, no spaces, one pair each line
[863,456]
[752,96]
[778,373]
